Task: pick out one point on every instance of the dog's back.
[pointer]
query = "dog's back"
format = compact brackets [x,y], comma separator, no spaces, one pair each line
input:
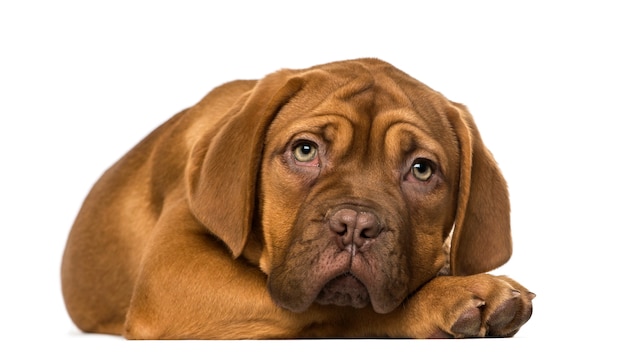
[103,253]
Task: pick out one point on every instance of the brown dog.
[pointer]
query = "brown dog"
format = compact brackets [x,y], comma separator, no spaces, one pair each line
[309,203]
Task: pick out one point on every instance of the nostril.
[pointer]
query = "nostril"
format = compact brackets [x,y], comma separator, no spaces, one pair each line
[368,225]
[338,226]
[343,221]
[369,233]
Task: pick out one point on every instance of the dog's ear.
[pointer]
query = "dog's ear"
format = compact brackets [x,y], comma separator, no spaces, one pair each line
[224,164]
[482,235]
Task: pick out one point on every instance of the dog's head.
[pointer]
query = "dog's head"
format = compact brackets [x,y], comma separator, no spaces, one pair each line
[342,182]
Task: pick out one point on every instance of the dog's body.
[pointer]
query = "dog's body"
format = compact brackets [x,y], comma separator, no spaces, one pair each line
[309,203]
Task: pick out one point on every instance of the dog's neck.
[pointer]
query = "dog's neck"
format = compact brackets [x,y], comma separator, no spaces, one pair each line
[445,270]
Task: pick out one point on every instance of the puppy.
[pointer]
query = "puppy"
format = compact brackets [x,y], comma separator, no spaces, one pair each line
[343,200]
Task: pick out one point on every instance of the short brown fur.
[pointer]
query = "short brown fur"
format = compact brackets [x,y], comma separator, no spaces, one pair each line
[290,207]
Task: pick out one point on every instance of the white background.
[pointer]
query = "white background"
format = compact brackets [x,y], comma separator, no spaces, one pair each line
[81,82]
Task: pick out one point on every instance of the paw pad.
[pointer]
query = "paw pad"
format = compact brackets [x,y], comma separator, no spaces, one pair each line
[469,323]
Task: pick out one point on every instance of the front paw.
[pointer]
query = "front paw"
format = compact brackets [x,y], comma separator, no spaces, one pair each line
[478,305]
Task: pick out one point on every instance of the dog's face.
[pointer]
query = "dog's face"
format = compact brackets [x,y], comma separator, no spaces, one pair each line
[355,175]
[358,195]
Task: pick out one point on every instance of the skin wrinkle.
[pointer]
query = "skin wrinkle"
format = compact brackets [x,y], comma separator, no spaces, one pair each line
[304,250]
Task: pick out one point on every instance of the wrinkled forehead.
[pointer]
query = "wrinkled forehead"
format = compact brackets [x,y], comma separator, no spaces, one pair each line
[372,96]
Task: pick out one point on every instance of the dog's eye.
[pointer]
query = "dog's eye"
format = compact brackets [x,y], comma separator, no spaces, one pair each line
[422,169]
[305,152]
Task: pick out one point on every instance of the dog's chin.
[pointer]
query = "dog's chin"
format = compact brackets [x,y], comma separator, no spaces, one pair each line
[344,290]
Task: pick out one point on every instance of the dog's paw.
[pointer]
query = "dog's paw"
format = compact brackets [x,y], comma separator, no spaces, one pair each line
[479,306]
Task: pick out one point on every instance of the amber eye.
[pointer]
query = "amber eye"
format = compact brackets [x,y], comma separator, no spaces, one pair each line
[305,152]
[422,169]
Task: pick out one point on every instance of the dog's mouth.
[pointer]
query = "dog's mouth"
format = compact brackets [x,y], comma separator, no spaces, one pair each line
[344,290]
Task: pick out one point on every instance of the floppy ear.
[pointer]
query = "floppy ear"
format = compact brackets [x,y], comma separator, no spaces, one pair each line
[224,165]
[482,235]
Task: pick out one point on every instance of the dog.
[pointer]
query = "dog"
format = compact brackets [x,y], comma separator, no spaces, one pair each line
[343,200]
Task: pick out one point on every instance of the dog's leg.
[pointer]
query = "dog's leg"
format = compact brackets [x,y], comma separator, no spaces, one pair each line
[466,306]
[190,287]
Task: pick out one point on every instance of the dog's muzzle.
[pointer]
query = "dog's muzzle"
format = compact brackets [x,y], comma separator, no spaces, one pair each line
[353,230]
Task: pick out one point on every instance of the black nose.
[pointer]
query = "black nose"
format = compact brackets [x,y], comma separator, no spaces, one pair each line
[354,228]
